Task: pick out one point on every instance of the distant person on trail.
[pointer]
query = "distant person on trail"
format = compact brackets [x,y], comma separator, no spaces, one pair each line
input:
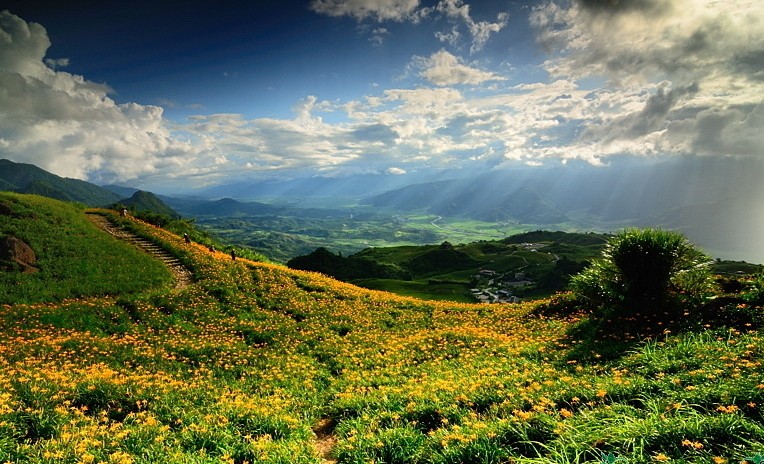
[212,248]
[233,254]
[123,213]
[186,238]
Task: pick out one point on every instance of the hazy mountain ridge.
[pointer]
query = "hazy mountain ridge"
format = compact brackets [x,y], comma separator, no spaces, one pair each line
[222,207]
[715,202]
[122,191]
[636,190]
[357,185]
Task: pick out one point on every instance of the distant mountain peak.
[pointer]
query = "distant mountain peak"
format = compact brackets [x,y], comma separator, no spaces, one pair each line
[147,201]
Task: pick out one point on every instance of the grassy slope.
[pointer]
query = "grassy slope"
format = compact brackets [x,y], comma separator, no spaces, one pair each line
[75,258]
[239,366]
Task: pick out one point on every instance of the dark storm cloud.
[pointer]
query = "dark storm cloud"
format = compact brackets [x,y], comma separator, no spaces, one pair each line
[624,6]
[654,116]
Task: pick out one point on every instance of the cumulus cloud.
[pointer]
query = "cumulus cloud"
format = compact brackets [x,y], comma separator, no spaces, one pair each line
[689,68]
[683,39]
[674,80]
[72,127]
[57,63]
[378,35]
[68,125]
[444,69]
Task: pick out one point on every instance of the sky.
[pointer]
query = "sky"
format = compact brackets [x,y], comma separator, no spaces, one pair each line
[169,96]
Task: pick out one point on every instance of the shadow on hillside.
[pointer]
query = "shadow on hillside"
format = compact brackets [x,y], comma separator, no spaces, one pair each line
[610,335]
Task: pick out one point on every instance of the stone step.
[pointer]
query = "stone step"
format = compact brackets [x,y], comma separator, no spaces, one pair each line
[183,275]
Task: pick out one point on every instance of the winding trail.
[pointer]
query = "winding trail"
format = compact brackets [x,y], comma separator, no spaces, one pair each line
[181,273]
[325,439]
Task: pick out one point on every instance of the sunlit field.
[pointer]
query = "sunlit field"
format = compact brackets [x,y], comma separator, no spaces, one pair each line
[241,366]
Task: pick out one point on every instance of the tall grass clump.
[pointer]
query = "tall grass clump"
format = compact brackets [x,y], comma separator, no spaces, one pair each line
[645,268]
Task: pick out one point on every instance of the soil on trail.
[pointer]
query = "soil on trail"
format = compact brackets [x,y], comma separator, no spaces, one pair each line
[181,273]
[325,439]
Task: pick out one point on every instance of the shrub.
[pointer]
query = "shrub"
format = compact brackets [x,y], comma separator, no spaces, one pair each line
[645,267]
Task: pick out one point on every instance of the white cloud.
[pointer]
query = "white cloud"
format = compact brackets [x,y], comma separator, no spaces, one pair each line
[444,69]
[68,125]
[455,11]
[378,35]
[23,45]
[451,37]
[708,100]
[479,30]
[681,39]
[57,63]
[378,10]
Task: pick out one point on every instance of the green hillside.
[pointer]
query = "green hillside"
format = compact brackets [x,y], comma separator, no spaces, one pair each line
[257,363]
[27,178]
[147,201]
[75,258]
[544,261]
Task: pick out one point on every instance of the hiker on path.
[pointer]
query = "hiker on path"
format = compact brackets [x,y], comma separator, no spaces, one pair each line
[233,254]
[186,237]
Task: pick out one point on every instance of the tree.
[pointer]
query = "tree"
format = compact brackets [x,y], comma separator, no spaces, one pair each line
[645,267]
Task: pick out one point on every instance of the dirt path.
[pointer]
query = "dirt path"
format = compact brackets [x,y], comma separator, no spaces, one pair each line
[325,440]
[181,273]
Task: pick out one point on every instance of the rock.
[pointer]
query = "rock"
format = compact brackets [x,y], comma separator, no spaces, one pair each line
[17,251]
[5,209]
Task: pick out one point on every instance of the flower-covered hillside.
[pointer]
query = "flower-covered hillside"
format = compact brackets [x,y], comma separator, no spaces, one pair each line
[243,364]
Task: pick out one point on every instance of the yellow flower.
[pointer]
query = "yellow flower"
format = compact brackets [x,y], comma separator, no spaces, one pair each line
[660,457]
[727,409]
[692,444]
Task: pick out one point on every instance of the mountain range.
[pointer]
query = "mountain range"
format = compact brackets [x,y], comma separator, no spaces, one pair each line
[715,201]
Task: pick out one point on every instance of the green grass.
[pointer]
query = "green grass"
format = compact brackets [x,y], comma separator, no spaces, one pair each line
[420,289]
[74,257]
